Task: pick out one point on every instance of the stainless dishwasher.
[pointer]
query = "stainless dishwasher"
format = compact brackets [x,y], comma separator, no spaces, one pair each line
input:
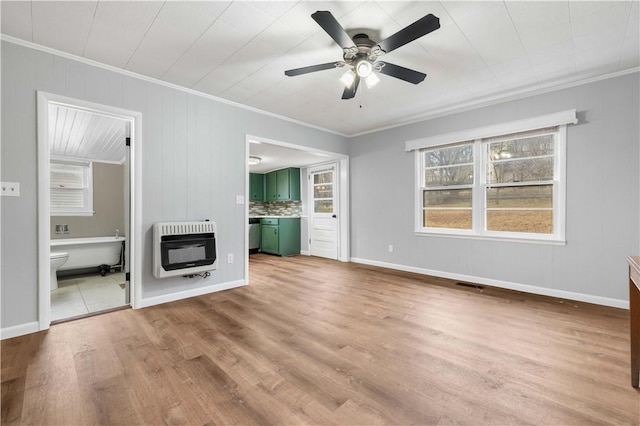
[254,235]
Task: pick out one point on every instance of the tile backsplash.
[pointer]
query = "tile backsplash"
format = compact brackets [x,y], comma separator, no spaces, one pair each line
[275,208]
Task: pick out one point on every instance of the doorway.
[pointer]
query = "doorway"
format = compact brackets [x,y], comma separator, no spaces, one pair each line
[273,155]
[85,208]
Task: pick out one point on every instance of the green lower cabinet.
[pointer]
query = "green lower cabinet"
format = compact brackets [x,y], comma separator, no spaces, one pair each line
[269,242]
[280,236]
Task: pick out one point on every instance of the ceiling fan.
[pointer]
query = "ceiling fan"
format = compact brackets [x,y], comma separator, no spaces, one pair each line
[361,53]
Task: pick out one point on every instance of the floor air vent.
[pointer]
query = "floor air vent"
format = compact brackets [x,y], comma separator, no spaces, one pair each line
[476,286]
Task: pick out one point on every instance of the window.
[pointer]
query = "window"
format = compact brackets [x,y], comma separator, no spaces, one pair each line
[506,182]
[520,182]
[323,192]
[71,188]
[448,184]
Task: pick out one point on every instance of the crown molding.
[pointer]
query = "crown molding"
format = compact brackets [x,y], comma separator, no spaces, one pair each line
[497,99]
[478,103]
[148,79]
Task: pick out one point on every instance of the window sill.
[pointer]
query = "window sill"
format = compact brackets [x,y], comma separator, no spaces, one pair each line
[511,239]
[63,214]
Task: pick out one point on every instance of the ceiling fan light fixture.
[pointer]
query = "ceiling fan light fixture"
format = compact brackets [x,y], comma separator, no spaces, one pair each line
[254,161]
[372,80]
[363,69]
[348,78]
[360,53]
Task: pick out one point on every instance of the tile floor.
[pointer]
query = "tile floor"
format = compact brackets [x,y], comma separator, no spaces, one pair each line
[83,294]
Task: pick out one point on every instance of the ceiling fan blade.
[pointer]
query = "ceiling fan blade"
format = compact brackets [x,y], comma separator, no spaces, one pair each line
[350,92]
[402,73]
[311,68]
[421,27]
[332,27]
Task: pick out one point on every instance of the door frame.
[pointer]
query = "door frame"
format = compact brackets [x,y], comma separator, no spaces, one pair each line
[134,239]
[342,172]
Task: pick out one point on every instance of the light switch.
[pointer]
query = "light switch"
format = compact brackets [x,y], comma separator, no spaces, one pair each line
[10,189]
[239,199]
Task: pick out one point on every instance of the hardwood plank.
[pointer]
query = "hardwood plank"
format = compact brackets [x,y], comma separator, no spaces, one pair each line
[52,392]
[314,341]
[12,399]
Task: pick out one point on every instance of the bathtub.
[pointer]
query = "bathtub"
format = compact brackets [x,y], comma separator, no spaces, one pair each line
[98,252]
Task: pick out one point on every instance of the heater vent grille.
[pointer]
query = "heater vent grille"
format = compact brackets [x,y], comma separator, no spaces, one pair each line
[183,228]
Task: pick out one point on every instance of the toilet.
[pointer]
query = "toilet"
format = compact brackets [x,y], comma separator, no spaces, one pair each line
[57,260]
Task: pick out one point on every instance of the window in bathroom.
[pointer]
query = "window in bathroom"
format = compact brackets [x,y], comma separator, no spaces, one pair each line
[71,186]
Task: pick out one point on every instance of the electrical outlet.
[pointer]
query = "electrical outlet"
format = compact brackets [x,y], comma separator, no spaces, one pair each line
[230,258]
[10,189]
[390,248]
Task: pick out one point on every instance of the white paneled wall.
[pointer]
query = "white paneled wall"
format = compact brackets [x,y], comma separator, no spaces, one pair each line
[602,200]
[193,166]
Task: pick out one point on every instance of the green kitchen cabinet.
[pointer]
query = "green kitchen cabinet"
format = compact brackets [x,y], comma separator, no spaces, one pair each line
[271,187]
[280,236]
[283,185]
[269,239]
[256,187]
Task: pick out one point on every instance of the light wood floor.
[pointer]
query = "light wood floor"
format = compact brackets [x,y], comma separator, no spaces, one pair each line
[312,341]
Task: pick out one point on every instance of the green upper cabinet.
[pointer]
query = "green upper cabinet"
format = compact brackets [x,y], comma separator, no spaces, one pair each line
[256,187]
[283,185]
[271,187]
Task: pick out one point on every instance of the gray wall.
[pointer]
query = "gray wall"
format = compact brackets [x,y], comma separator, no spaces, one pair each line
[108,206]
[193,156]
[602,196]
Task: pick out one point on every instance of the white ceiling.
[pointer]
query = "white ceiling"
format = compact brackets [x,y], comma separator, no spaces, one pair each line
[274,157]
[86,135]
[238,51]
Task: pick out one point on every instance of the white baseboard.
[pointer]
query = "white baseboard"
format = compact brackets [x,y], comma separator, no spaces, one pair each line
[172,297]
[304,252]
[19,330]
[526,288]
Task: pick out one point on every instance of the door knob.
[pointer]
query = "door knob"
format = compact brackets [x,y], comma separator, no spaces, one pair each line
[333,216]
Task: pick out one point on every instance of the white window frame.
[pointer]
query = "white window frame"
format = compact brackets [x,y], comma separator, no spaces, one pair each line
[421,187]
[478,137]
[86,167]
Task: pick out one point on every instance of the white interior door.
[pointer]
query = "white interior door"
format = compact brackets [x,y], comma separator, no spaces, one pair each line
[323,210]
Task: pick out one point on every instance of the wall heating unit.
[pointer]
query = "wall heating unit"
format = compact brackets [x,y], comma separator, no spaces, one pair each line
[184,248]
